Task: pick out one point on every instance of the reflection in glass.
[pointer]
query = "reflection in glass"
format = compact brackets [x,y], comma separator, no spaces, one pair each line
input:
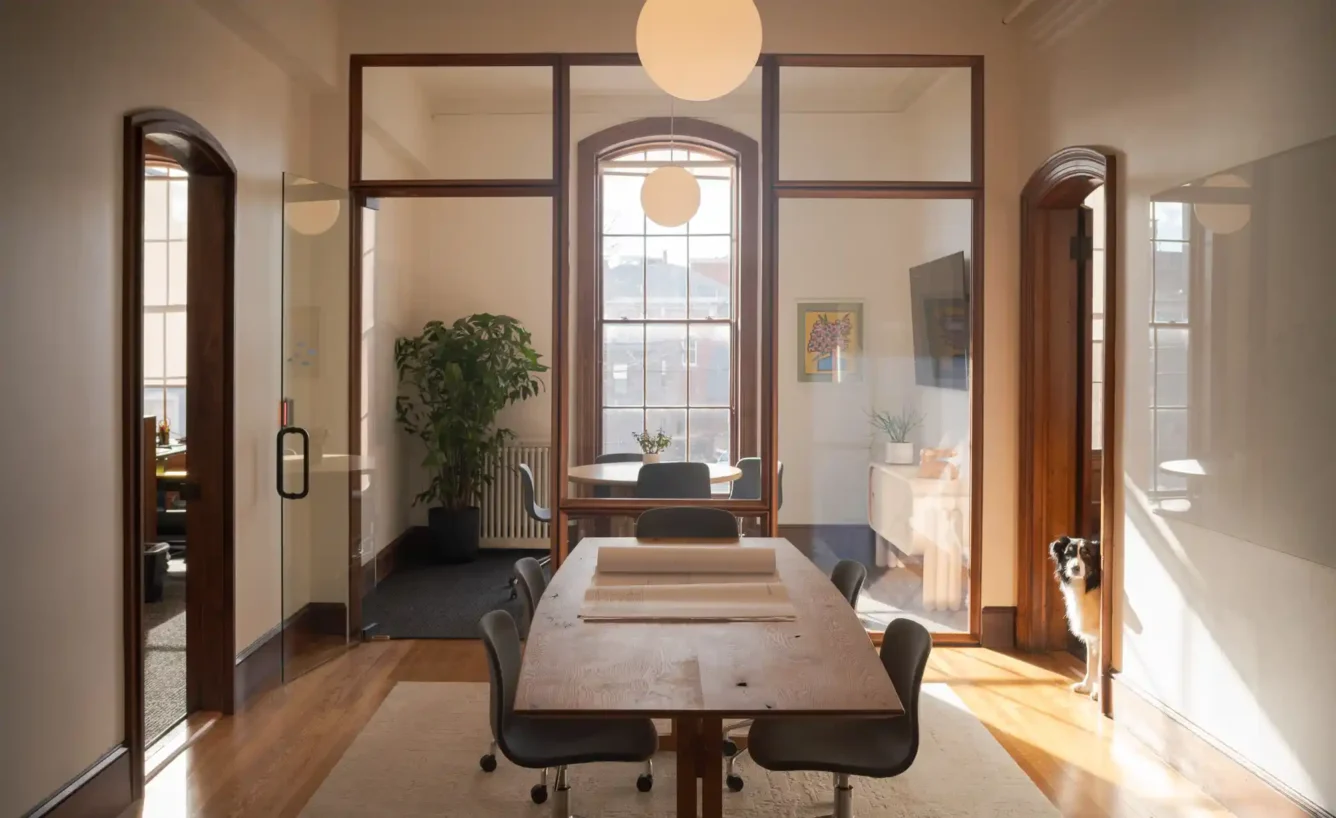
[1238,431]
[902,268]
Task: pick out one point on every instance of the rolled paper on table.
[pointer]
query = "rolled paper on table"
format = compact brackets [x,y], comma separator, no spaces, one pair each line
[685,559]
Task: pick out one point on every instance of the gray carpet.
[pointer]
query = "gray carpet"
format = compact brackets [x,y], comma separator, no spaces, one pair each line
[165,656]
[443,601]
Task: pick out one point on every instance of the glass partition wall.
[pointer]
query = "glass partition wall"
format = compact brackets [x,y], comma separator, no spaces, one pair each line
[832,273]
[879,286]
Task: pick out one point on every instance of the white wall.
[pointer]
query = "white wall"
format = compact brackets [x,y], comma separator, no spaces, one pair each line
[484,255]
[1232,634]
[60,228]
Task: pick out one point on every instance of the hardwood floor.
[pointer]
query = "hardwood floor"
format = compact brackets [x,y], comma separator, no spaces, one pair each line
[268,760]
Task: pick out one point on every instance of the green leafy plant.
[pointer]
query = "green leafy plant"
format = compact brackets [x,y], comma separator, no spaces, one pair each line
[897,427]
[455,378]
[652,443]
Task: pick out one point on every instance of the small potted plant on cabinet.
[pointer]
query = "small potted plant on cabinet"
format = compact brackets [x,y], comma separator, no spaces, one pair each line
[457,378]
[899,451]
[652,445]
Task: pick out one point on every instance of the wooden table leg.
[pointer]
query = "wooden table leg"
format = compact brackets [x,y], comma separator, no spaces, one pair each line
[710,766]
[687,732]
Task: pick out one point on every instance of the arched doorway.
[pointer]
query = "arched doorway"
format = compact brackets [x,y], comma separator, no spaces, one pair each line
[1067,484]
[173,297]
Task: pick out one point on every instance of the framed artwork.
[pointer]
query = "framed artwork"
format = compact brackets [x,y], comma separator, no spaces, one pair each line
[830,341]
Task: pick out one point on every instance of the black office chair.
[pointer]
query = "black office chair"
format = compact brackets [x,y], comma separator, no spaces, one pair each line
[872,747]
[531,581]
[685,481]
[540,743]
[538,513]
[617,457]
[687,522]
[848,576]
[748,486]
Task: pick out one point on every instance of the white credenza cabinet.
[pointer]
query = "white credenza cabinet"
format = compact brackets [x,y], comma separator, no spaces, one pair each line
[920,516]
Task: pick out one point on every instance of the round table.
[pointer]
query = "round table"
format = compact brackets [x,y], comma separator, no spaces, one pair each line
[624,474]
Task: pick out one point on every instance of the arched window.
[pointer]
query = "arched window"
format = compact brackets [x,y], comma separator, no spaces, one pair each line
[666,316]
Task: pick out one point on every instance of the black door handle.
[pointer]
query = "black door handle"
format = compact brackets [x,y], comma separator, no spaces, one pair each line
[306,462]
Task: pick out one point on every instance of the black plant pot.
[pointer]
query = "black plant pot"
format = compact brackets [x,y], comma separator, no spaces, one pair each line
[454,534]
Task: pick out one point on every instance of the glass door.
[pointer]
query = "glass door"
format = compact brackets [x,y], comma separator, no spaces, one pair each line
[315,467]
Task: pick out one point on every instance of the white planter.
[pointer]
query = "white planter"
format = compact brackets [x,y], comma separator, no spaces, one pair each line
[900,454]
[653,458]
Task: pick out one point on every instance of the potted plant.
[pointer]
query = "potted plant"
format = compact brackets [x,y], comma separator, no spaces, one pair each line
[899,451]
[652,445]
[456,378]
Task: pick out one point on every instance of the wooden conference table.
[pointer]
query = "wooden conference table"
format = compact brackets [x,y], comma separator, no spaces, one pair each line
[822,663]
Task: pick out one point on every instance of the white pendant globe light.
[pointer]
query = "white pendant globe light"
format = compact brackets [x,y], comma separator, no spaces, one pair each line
[311,218]
[699,50]
[670,196]
[1223,218]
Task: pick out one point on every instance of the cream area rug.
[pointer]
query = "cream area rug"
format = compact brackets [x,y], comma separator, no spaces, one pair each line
[418,756]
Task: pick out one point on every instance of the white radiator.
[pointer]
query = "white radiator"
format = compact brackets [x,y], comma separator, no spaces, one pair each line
[505,524]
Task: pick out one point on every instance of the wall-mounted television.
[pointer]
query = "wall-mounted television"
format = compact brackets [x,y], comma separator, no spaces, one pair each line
[939,292]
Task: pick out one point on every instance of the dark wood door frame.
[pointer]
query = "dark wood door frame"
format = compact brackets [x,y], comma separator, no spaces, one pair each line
[1049,367]
[210,580]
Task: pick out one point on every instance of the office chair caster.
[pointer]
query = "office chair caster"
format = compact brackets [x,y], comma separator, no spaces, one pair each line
[730,748]
[488,763]
[734,782]
[645,782]
[538,793]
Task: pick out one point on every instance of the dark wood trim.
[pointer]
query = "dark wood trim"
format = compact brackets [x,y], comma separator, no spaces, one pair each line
[355,124]
[497,60]
[1240,786]
[827,189]
[456,188]
[998,628]
[210,607]
[558,544]
[587,506]
[589,350]
[875,60]
[1062,183]
[103,790]
[211,519]
[259,668]
[770,75]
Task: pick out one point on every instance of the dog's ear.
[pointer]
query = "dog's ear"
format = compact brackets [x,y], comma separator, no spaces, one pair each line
[1056,547]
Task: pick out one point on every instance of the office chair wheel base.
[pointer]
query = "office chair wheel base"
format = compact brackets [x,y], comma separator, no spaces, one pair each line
[730,748]
[645,782]
[734,783]
[488,763]
[538,794]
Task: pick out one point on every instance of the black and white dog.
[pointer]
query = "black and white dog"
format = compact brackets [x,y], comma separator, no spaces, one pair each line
[1078,574]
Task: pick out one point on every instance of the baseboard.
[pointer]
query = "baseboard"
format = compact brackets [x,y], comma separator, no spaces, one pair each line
[101,791]
[999,627]
[1238,784]
[259,667]
[323,618]
[397,552]
[849,541]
